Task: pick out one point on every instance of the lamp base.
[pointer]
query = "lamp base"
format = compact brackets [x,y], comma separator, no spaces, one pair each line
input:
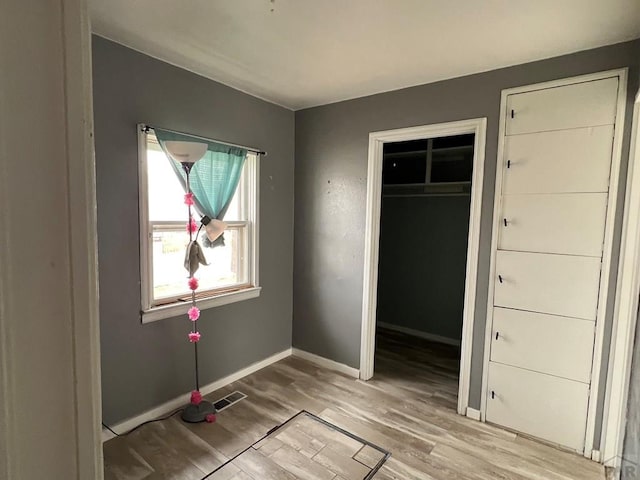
[203,412]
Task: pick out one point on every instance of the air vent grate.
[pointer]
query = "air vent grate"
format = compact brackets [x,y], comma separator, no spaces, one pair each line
[229,400]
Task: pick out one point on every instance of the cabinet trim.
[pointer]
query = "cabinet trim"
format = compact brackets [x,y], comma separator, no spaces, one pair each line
[605,278]
[626,311]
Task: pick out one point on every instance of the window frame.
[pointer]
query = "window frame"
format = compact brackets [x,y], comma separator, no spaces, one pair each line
[173,307]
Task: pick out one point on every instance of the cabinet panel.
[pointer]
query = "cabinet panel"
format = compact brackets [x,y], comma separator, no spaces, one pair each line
[559,346]
[546,283]
[577,160]
[541,405]
[554,223]
[586,104]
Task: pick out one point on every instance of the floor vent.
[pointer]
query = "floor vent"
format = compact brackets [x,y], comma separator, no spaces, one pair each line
[229,400]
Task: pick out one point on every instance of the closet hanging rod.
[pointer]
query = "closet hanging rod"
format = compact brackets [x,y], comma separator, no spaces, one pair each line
[438,194]
[145,128]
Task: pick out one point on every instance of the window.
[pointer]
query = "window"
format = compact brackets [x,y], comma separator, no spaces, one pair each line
[231,273]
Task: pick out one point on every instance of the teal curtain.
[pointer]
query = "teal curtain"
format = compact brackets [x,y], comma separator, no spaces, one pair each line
[213,179]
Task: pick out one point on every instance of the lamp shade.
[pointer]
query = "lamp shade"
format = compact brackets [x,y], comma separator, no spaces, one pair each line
[186,152]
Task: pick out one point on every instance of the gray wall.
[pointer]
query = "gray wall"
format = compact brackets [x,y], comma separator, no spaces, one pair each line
[423,254]
[330,188]
[146,365]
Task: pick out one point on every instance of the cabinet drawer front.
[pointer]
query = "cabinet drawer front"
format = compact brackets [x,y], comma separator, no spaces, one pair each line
[547,407]
[559,346]
[586,104]
[553,223]
[562,161]
[538,282]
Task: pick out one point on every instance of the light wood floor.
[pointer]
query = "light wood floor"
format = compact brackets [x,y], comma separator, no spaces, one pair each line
[408,408]
[304,447]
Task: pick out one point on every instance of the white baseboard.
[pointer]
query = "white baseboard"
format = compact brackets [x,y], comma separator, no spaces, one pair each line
[182,400]
[420,334]
[327,363]
[473,414]
[596,456]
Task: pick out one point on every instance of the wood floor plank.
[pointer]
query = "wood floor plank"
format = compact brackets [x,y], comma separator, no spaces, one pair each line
[300,440]
[227,472]
[260,467]
[410,452]
[368,456]
[158,449]
[328,436]
[342,465]
[300,465]
[397,470]
[482,469]
[269,403]
[230,443]
[121,462]
[409,408]
[242,476]
[191,447]
[268,445]
[291,401]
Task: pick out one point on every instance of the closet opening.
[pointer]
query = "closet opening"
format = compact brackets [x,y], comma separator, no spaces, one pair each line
[424,230]
[421,256]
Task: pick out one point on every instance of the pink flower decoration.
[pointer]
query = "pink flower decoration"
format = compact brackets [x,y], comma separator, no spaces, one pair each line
[192,226]
[193,283]
[194,313]
[210,418]
[194,337]
[196,397]
[188,199]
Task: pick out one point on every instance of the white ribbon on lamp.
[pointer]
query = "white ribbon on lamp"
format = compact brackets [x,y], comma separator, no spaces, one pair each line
[214,229]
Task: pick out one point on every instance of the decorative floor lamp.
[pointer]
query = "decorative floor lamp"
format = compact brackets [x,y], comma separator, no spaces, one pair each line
[187,154]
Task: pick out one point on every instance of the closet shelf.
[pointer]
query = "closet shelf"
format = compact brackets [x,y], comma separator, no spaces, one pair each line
[427,189]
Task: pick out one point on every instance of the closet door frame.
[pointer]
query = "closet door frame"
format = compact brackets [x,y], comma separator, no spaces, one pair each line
[604,299]
[478,127]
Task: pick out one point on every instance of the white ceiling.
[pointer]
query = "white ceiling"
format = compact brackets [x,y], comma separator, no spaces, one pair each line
[301,53]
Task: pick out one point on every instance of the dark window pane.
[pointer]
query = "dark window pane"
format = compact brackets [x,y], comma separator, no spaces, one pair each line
[453,141]
[452,165]
[404,168]
[406,162]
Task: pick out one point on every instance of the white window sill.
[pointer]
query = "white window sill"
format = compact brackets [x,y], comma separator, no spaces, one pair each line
[175,309]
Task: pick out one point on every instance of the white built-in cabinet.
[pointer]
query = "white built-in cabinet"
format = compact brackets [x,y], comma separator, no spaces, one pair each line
[552,198]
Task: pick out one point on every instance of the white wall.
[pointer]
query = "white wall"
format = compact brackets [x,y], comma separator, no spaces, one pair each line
[49,395]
